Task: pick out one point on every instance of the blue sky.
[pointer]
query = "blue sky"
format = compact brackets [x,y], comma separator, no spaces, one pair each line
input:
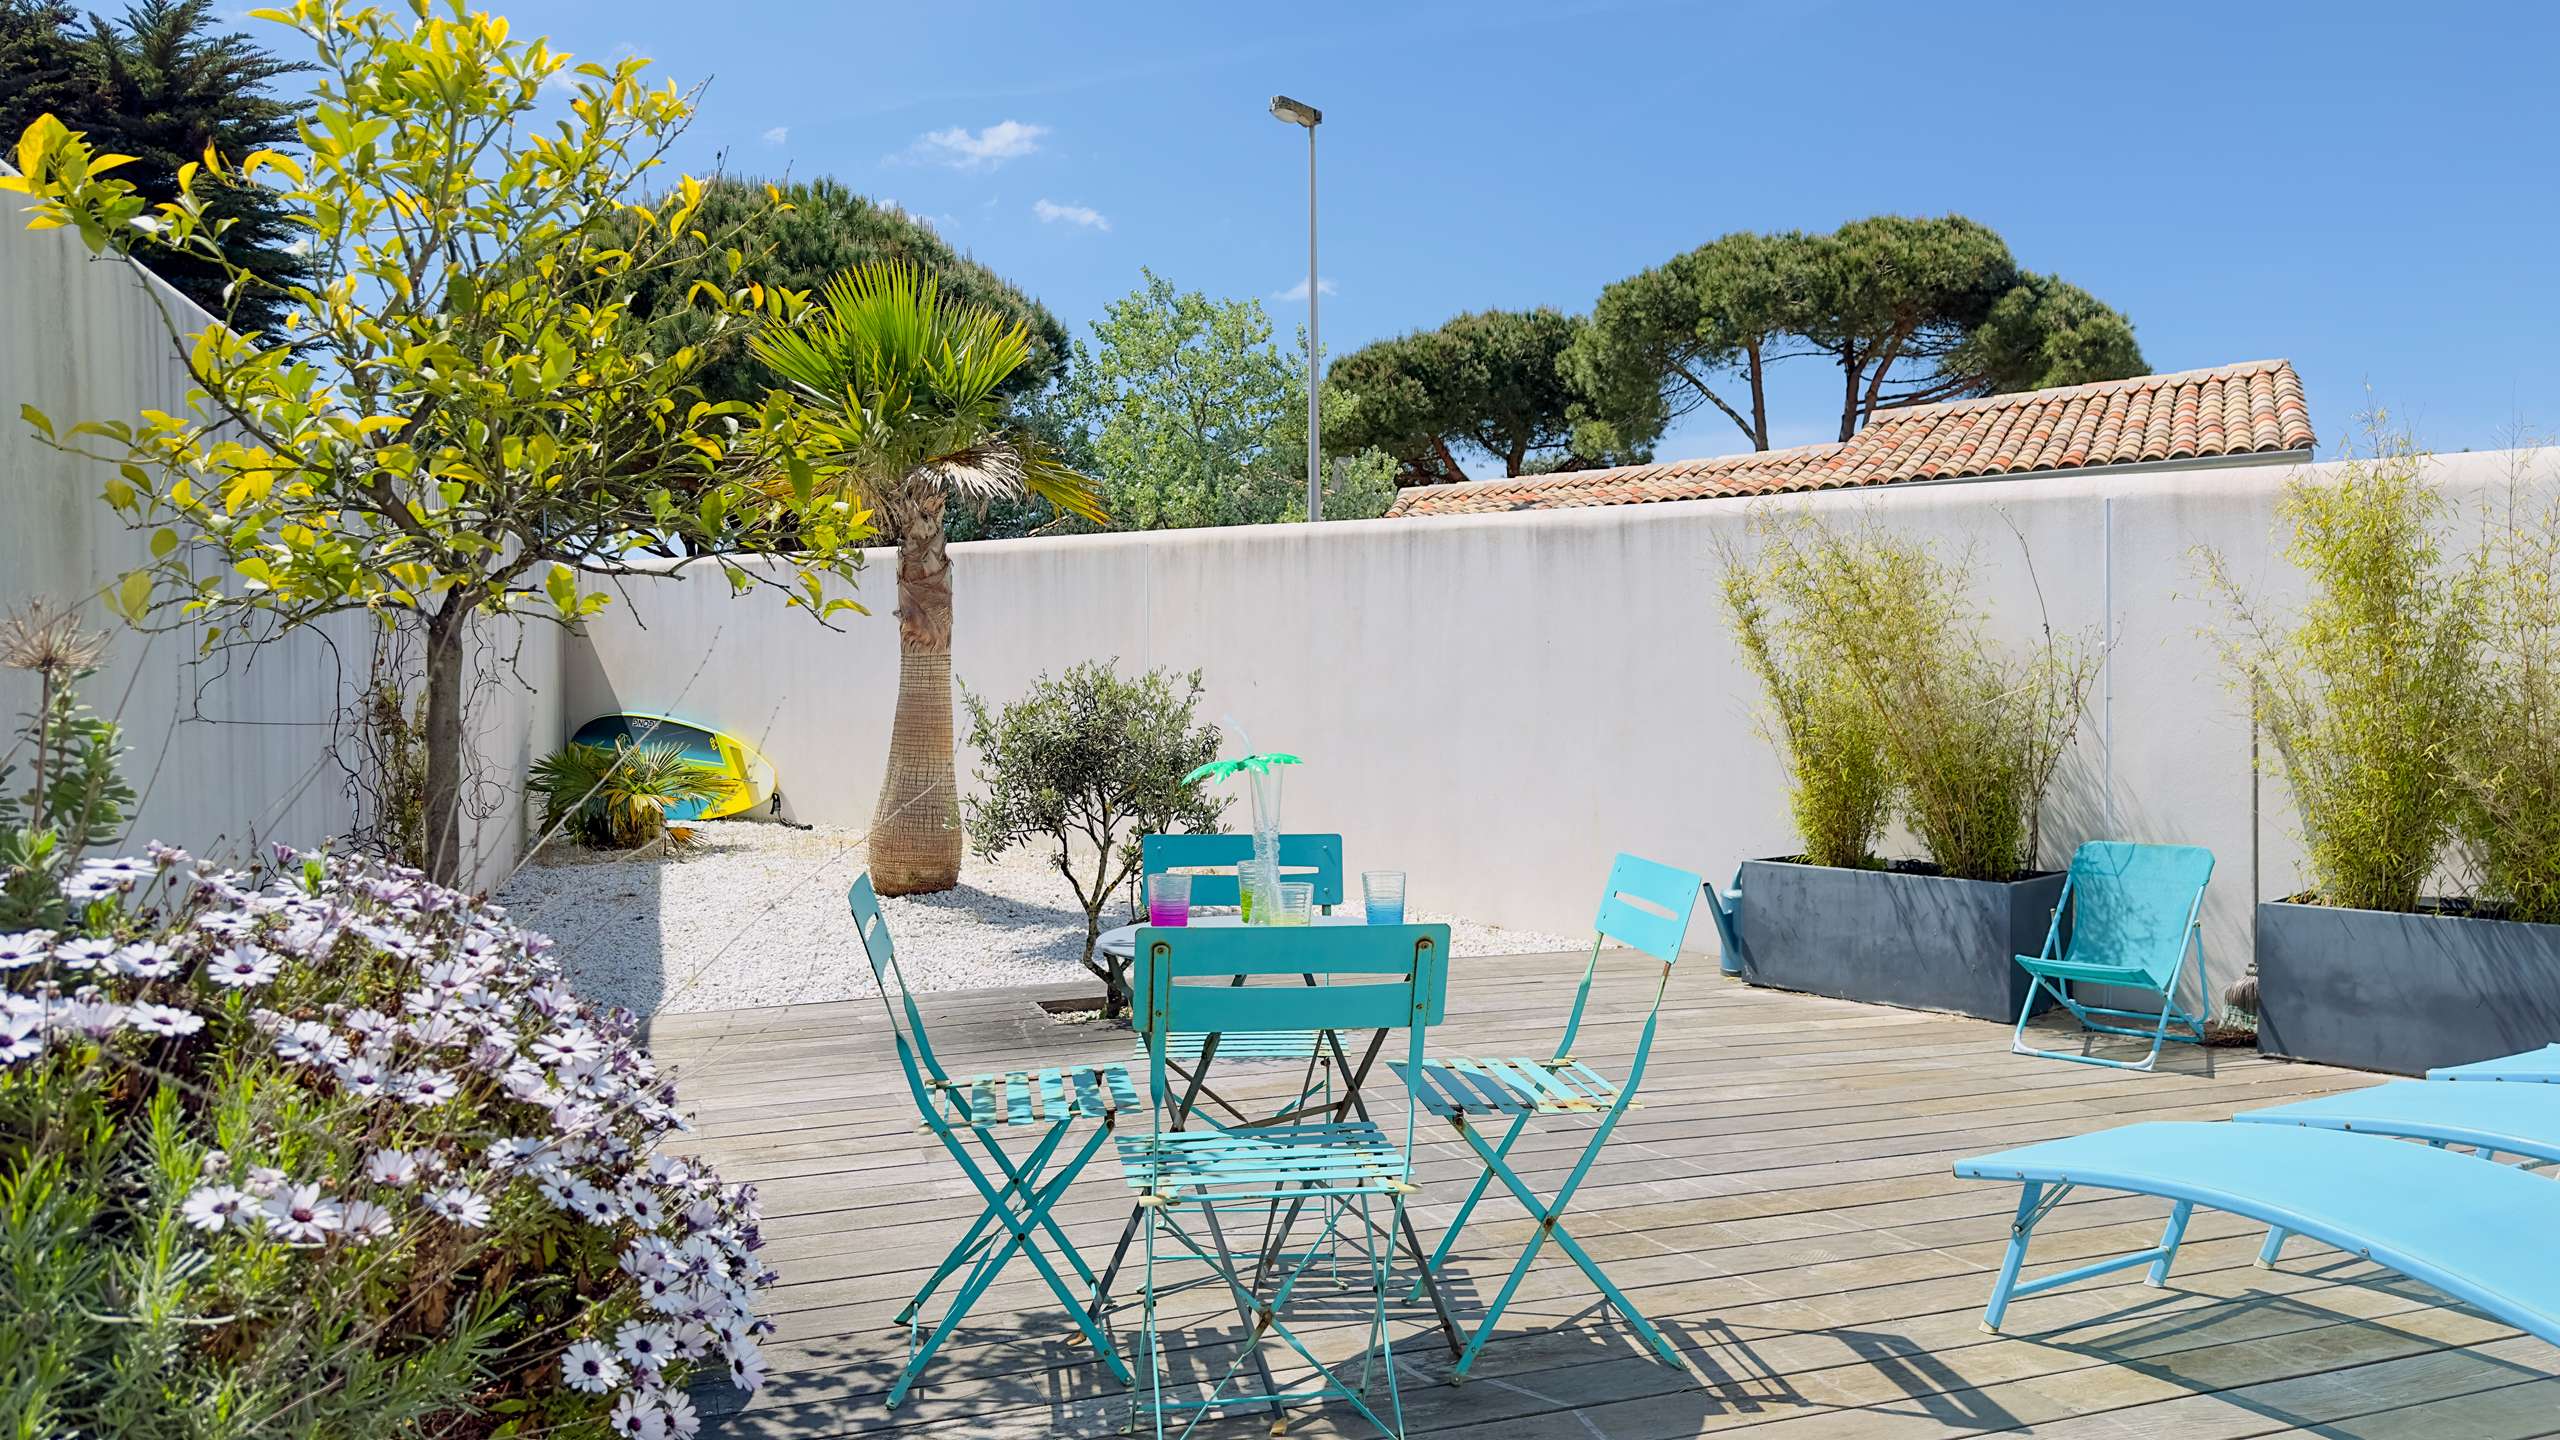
[2368,189]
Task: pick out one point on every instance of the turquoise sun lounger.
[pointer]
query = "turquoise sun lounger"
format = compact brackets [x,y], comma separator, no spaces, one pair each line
[2519,1120]
[2533,1066]
[2451,1220]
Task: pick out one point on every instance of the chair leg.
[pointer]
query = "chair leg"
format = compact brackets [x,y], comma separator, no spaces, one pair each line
[1018,1236]
[998,1205]
[1550,1216]
[2274,1248]
[1427,1283]
[1048,1222]
[1466,1208]
[2021,1229]
[1249,1310]
[2169,1242]
[1111,1272]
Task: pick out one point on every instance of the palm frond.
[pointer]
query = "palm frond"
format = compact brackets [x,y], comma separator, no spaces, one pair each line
[905,388]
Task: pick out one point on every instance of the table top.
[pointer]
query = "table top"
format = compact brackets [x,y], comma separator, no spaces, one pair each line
[1122,940]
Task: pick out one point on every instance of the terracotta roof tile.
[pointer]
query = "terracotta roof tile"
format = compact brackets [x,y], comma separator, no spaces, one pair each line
[2252,408]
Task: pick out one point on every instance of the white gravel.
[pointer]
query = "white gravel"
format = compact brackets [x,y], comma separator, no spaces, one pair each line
[754,914]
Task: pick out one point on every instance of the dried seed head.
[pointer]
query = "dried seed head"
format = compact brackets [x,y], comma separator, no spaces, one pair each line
[48,640]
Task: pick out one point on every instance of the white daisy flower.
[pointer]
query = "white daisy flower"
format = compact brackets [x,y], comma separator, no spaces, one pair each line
[646,1347]
[313,1043]
[363,1221]
[164,1020]
[213,1207]
[243,966]
[147,960]
[298,1216]
[391,1167]
[460,1205]
[364,1076]
[428,1087]
[637,1419]
[24,947]
[89,1017]
[588,1366]
[90,885]
[84,954]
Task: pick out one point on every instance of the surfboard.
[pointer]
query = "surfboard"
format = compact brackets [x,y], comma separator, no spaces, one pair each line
[751,776]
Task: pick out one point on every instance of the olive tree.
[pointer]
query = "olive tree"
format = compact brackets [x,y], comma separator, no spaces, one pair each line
[1084,764]
[443,426]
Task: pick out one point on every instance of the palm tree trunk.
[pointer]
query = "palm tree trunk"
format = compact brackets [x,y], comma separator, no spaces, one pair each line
[915,829]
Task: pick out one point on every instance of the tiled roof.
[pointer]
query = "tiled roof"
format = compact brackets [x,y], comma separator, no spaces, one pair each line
[2234,410]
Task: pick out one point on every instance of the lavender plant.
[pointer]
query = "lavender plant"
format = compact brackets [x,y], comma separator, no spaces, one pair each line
[323,1149]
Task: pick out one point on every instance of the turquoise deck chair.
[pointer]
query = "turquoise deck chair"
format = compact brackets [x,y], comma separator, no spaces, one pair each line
[1048,1103]
[1646,906]
[2136,915]
[1378,977]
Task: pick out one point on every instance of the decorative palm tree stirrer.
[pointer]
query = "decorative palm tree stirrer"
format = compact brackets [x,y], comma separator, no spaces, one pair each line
[1261,875]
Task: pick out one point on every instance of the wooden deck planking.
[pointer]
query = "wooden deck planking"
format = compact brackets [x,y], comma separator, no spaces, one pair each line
[1780,1205]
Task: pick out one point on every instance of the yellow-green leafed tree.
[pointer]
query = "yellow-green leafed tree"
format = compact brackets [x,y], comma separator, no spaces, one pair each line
[463,431]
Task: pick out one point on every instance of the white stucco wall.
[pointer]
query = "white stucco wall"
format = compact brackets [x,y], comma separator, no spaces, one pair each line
[227,752]
[1496,704]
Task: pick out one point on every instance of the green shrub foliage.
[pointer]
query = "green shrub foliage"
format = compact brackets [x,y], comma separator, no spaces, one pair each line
[618,799]
[1890,694]
[2369,693]
[2508,779]
[1082,765]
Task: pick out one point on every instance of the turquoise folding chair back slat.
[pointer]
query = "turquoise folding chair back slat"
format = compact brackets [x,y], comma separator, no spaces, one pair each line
[1048,1100]
[1645,905]
[1387,978]
[2136,919]
[1304,859]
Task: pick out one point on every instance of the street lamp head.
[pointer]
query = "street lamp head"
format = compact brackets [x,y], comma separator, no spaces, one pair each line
[1295,112]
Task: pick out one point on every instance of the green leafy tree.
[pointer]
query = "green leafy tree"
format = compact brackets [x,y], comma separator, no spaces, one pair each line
[1188,412]
[1084,764]
[1908,310]
[468,432]
[1698,332]
[903,394]
[1489,381]
[1917,310]
[161,86]
[804,233]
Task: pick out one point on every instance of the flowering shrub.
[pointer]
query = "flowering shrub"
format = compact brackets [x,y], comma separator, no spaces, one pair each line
[326,1150]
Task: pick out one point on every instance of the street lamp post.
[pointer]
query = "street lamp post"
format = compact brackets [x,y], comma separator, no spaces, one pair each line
[1299,113]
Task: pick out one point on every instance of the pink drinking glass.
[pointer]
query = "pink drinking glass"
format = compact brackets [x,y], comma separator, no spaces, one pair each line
[1168,899]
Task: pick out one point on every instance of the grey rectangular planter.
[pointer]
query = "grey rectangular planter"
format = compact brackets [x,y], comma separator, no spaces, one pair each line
[1923,941]
[2402,993]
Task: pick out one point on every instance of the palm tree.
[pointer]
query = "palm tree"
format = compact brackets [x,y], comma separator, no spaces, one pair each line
[905,391]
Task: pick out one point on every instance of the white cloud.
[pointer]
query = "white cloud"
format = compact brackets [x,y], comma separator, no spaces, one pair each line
[777,135]
[1297,294]
[961,149]
[1051,212]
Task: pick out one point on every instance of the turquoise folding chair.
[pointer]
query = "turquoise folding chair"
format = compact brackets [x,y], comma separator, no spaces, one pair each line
[1304,859]
[2136,915]
[1049,1101]
[1646,906]
[1314,860]
[1378,977]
